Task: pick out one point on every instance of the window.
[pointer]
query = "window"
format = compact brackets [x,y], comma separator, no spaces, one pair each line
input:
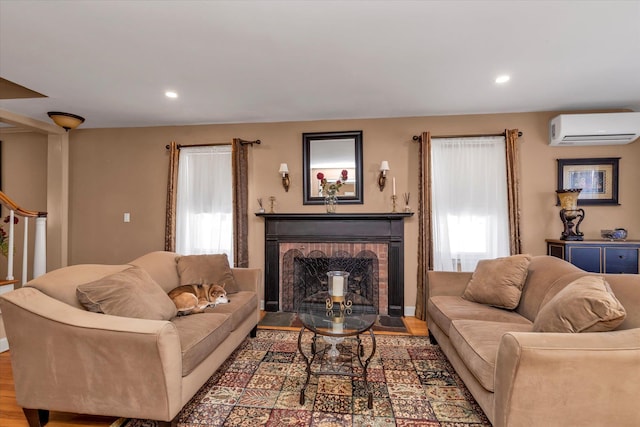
[469,201]
[204,218]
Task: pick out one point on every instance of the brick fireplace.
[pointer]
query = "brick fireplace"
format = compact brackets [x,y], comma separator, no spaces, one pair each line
[301,248]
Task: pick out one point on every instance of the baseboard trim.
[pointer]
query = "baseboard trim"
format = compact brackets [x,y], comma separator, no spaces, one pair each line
[409,311]
[4,345]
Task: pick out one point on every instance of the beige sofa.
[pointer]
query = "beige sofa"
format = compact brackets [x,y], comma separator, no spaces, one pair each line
[525,378]
[67,359]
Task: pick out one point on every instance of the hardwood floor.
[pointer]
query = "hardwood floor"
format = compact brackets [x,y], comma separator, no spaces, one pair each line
[11,414]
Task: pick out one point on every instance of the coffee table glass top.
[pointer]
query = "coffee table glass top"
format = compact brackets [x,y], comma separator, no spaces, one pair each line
[324,315]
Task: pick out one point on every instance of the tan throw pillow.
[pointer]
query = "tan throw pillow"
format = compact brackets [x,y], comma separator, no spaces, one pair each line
[128,293]
[210,269]
[584,305]
[498,282]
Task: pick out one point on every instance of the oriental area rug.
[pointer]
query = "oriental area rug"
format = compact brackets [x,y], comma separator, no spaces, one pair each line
[411,380]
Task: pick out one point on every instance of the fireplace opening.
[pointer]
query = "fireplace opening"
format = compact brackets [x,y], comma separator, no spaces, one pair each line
[304,269]
[310,276]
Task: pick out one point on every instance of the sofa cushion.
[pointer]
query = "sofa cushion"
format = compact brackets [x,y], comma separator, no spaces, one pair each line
[212,269]
[128,293]
[625,287]
[200,334]
[498,282]
[241,305]
[161,266]
[543,272]
[444,309]
[61,283]
[477,341]
[585,305]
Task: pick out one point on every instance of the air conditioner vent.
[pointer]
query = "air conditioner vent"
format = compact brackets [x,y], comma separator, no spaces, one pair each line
[594,129]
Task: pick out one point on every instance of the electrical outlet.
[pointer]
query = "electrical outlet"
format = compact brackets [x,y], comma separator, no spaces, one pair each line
[127,217]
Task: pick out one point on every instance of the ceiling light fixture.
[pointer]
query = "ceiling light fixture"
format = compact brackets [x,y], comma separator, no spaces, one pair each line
[65,120]
[170,94]
[502,79]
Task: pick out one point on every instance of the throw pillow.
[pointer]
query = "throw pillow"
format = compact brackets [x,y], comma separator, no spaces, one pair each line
[585,305]
[498,282]
[128,293]
[207,269]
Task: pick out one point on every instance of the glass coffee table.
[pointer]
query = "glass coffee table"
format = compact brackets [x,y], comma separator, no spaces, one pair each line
[332,320]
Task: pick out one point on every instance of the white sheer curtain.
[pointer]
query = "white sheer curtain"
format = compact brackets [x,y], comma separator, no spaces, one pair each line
[204,220]
[469,201]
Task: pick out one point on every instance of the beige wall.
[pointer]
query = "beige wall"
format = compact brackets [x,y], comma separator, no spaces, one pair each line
[113,171]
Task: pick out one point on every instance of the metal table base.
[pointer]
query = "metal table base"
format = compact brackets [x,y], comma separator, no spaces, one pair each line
[316,352]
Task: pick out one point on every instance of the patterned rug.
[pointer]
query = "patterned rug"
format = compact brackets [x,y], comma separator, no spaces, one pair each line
[259,385]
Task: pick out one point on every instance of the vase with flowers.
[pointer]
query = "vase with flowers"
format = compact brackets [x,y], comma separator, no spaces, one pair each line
[4,236]
[330,189]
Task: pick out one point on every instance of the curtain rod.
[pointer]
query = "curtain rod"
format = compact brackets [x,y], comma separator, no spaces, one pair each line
[242,142]
[419,137]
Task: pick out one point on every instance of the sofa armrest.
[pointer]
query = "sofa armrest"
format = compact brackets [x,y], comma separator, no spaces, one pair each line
[545,379]
[248,279]
[71,360]
[447,283]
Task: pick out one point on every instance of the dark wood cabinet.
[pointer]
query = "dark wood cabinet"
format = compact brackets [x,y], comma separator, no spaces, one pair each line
[598,256]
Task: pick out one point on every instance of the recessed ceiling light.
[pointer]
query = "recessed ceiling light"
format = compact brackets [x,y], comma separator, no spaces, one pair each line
[170,94]
[502,79]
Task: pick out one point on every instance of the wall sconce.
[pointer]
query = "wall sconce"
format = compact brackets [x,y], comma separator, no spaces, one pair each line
[284,170]
[65,120]
[569,212]
[382,178]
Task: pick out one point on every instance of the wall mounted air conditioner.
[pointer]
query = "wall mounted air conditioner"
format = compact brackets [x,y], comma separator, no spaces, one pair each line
[594,129]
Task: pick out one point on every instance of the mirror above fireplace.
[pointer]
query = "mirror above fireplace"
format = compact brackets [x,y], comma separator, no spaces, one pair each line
[330,153]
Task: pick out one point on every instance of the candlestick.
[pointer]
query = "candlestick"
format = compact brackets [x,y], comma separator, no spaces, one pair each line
[393,200]
[394,186]
[337,286]
[272,200]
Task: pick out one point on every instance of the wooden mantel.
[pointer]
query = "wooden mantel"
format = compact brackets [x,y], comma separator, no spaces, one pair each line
[337,227]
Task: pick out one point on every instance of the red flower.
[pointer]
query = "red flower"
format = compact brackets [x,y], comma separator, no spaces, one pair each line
[344,174]
[320,176]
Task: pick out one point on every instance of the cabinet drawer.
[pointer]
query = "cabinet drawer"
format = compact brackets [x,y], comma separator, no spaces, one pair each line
[586,257]
[621,260]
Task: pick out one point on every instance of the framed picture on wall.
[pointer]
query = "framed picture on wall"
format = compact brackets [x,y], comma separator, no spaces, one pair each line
[596,177]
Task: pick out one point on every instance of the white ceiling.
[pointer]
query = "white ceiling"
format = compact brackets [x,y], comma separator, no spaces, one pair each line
[264,61]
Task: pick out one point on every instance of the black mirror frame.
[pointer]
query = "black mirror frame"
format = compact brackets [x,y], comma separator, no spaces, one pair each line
[307,138]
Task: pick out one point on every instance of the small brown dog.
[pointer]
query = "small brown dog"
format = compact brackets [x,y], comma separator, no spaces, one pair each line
[191,299]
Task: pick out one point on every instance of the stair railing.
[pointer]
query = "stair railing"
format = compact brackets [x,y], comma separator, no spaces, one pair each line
[40,244]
